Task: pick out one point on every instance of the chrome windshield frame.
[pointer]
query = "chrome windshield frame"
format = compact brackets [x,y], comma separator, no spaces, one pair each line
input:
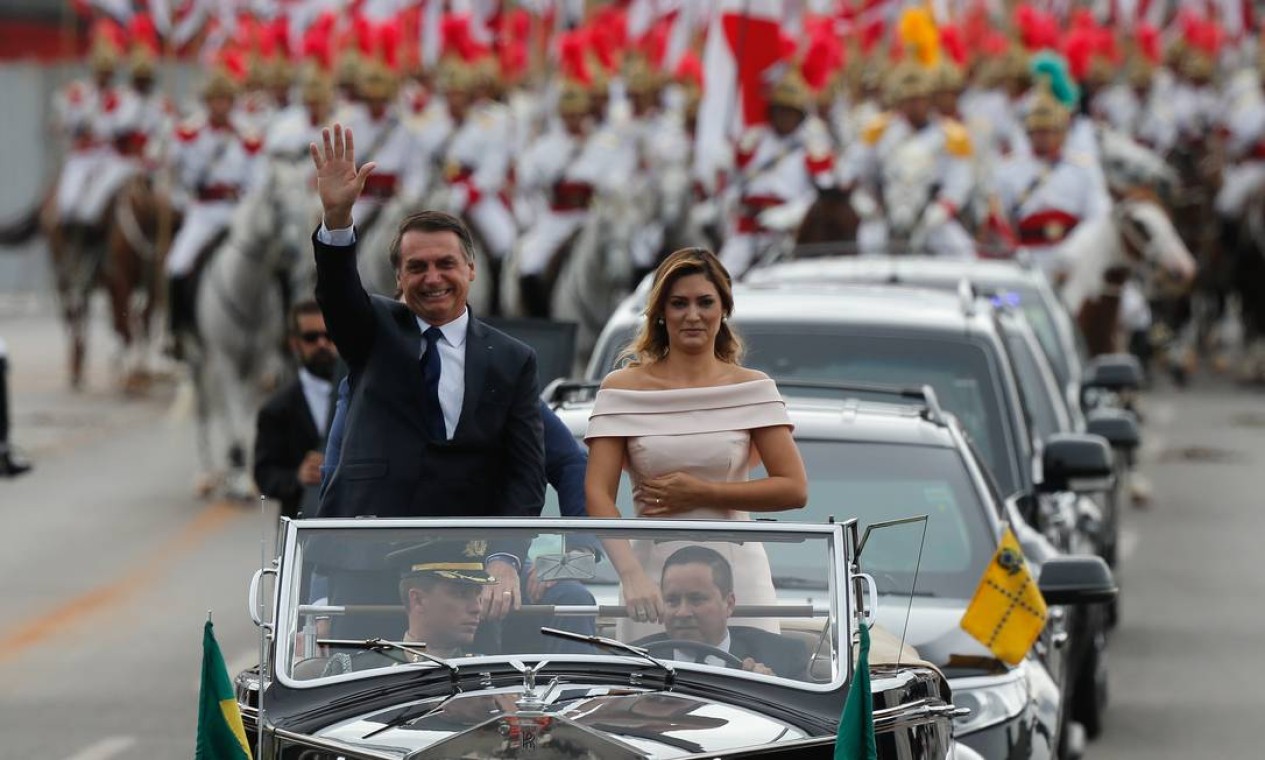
[842,603]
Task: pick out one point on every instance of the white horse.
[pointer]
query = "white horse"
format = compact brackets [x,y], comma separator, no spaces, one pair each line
[1137,237]
[241,323]
[597,274]
[374,265]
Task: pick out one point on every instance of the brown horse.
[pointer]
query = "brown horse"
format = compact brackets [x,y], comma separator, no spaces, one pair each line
[121,254]
[139,231]
[829,228]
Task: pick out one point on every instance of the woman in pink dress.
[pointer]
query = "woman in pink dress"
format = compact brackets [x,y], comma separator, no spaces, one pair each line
[688,422]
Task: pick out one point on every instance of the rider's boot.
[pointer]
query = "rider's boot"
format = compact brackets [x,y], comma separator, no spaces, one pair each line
[495,306]
[179,314]
[535,296]
[10,464]
[639,274]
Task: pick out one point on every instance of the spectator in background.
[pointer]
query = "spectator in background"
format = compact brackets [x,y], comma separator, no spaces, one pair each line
[10,464]
[292,425]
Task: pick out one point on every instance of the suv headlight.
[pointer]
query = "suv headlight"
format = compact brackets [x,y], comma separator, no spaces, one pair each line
[991,700]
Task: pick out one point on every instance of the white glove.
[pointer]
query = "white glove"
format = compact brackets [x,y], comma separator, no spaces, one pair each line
[864,204]
[783,218]
[936,215]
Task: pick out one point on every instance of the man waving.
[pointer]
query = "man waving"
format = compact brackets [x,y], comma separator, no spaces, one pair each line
[443,419]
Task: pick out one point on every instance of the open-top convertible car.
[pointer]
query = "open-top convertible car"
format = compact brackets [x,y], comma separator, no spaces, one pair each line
[378,643]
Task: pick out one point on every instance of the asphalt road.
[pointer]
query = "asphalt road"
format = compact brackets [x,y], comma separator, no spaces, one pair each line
[108,566]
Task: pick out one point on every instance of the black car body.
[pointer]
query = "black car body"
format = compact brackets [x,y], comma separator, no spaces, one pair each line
[362,698]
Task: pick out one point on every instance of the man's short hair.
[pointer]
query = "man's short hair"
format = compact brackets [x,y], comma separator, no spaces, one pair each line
[722,573]
[301,309]
[423,582]
[432,221]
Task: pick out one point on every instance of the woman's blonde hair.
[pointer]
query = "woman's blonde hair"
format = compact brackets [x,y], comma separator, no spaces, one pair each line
[651,343]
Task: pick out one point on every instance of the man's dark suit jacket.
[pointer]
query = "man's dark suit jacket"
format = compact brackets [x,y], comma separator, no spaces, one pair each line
[494,463]
[284,433]
[786,657]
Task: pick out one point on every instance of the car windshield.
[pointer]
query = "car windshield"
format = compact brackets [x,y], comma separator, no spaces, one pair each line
[731,592]
[879,482]
[959,371]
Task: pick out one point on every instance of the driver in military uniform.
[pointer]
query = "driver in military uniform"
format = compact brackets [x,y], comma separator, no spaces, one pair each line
[698,595]
[440,584]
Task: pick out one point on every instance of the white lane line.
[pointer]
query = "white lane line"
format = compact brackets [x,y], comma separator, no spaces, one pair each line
[106,748]
[1129,540]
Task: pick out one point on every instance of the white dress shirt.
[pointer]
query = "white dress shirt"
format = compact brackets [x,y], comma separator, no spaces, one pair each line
[452,367]
[317,393]
[452,347]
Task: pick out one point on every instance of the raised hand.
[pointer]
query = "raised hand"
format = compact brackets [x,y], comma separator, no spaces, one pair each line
[338,181]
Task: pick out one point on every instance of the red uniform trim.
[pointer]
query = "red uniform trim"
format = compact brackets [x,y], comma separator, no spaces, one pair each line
[380,185]
[751,206]
[571,196]
[1046,227]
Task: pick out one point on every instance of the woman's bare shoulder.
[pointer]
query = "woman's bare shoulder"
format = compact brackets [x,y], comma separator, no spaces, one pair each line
[747,375]
[626,379]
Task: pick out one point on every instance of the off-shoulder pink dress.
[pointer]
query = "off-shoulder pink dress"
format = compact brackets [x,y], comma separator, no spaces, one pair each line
[705,432]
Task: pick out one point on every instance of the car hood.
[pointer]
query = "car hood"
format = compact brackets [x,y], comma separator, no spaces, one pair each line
[935,631]
[608,723]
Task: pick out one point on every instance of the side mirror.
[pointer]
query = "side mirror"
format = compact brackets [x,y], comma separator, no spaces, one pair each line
[1118,426]
[1114,372]
[1076,463]
[1077,580]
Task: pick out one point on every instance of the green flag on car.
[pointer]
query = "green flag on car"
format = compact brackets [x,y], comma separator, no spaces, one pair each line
[856,726]
[221,735]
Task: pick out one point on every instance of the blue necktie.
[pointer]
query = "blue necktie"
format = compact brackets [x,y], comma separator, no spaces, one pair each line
[432,412]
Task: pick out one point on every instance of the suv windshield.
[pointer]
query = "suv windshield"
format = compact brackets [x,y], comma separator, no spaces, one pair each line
[878,482]
[958,370]
[743,590]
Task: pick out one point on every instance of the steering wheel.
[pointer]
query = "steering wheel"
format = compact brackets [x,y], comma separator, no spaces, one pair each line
[700,650]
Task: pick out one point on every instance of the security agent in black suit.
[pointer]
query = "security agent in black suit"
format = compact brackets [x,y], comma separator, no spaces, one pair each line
[445,420]
[291,427]
[698,596]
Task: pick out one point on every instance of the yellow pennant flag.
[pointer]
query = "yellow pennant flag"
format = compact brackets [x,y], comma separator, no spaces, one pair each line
[1008,612]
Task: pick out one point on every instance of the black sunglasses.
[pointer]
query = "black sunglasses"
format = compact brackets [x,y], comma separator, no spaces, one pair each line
[311,336]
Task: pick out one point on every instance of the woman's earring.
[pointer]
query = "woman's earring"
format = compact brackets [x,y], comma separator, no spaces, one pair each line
[659,321]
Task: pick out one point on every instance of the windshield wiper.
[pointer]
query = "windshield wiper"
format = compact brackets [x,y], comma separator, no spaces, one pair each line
[669,673]
[408,647]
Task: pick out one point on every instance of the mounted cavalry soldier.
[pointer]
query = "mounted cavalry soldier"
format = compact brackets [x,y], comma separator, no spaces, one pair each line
[779,168]
[215,164]
[82,112]
[1047,193]
[398,183]
[476,161]
[892,144]
[140,118]
[564,169]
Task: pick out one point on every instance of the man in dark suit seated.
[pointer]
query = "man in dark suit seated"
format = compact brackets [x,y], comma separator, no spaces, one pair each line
[291,427]
[444,420]
[698,596]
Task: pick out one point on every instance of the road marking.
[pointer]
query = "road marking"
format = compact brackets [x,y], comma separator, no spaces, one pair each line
[70,616]
[105,749]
